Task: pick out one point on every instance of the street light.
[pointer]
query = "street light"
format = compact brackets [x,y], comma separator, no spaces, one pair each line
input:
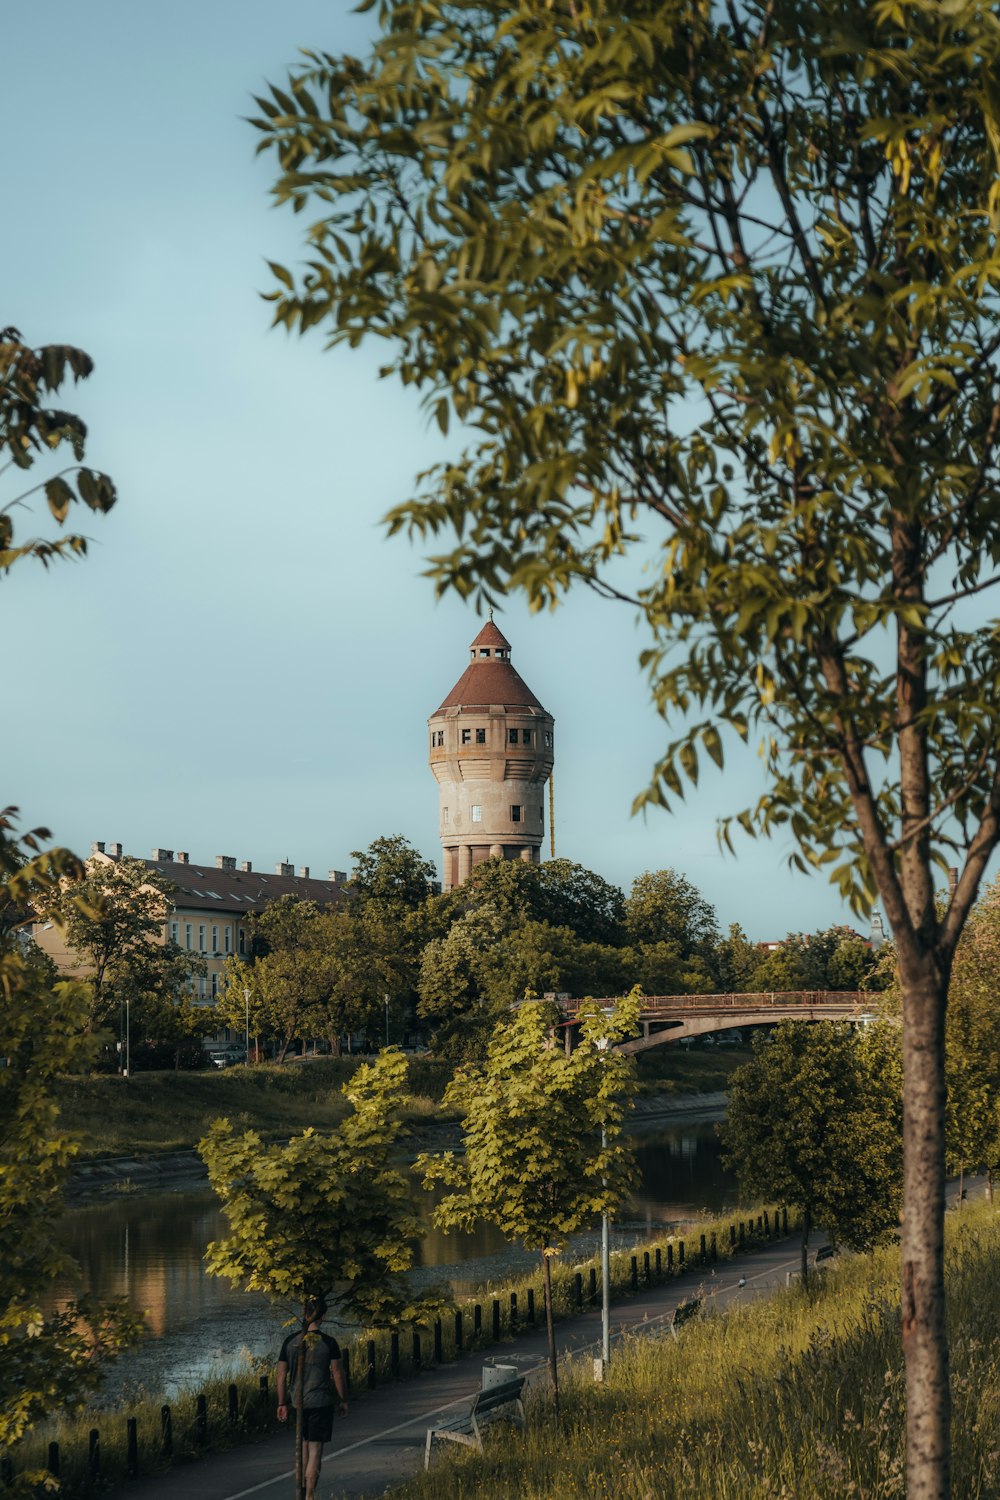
[603,1044]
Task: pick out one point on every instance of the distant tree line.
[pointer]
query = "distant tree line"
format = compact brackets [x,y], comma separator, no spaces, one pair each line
[395,956]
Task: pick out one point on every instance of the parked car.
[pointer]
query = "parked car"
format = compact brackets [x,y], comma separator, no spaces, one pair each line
[226,1055]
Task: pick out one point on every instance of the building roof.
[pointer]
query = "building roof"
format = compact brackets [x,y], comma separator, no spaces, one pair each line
[490,681]
[208,889]
[490,635]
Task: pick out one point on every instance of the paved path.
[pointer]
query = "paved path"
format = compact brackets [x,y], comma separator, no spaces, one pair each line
[381,1443]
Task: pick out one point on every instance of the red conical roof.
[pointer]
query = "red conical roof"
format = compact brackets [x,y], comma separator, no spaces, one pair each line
[490,679]
[491,636]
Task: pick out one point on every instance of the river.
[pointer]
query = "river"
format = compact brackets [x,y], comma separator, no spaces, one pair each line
[149,1249]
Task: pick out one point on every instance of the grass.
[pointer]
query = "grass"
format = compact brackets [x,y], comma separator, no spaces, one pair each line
[794,1397]
[170,1111]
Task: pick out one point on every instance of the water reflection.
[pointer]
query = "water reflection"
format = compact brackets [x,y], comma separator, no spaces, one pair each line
[149,1249]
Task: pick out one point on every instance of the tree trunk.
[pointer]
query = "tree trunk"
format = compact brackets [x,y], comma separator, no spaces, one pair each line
[550,1329]
[284,1048]
[989,1184]
[925,1343]
[961,1184]
[806,1226]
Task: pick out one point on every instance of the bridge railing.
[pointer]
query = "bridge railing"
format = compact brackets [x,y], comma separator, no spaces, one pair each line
[653,1005]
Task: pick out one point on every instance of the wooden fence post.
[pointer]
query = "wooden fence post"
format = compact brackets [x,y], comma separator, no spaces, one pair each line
[234,1404]
[496,1319]
[94,1453]
[531,1305]
[513,1312]
[166,1432]
[578,1290]
[201,1420]
[394,1353]
[458,1328]
[438,1353]
[634,1273]
[372,1377]
[416,1350]
[132,1448]
[53,1463]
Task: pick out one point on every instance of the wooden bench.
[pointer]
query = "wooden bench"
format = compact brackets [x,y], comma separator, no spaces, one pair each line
[486,1407]
[684,1312]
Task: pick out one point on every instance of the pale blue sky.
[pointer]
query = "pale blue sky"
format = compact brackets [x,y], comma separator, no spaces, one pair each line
[243,664]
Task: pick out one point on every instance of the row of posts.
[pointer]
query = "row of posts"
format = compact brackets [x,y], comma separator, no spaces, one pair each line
[652,1270]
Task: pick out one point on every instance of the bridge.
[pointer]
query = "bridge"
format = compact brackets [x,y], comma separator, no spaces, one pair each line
[668,1018]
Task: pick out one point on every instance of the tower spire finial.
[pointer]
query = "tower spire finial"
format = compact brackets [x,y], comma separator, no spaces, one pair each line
[491,613]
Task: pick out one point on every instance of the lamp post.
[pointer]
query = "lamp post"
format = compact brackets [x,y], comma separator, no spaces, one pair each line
[246,1000]
[603,1044]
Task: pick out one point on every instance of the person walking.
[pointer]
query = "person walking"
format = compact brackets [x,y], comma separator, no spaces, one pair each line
[310,1366]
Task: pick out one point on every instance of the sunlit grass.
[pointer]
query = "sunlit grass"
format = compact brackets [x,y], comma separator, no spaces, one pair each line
[171,1111]
[789,1396]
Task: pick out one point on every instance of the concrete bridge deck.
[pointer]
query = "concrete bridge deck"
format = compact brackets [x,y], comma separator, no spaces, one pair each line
[668,1018]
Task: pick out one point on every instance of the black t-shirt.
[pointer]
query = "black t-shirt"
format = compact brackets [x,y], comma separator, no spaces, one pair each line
[317,1387]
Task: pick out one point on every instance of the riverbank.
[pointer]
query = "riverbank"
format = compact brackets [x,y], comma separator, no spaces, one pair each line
[647,1282]
[158,1112]
[94,1177]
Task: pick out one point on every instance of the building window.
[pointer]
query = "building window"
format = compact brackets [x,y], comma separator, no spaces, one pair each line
[512,736]
[187,934]
[242,940]
[525,736]
[548,739]
[444,815]
[515,813]
[215,985]
[480,736]
[466,736]
[201,937]
[202,987]
[228,932]
[484,651]
[215,939]
[437,739]
[175,932]
[477,813]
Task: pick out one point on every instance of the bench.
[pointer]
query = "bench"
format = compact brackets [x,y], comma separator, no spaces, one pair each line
[486,1407]
[683,1313]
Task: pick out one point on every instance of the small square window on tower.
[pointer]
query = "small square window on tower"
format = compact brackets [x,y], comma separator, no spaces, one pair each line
[548,739]
[480,736]
[512,736]
[444,815]
[466,736]
[515,813]
[477,813]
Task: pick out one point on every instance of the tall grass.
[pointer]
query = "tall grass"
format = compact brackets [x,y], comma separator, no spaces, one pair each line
[796,1396]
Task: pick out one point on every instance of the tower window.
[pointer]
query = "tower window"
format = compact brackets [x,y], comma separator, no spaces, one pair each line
[525,736]
[484,651]
[437,738]
[515,813]
[187,934]
[548,739]
[512,736]
[480,736]
[466,736]
[477,813]
[444,815]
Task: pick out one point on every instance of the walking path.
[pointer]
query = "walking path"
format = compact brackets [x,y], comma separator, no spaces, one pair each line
[381,1442]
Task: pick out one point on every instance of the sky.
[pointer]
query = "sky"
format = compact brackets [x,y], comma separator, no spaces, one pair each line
[244,664]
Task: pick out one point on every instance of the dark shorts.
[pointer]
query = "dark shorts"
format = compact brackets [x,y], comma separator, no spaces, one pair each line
[317,1424]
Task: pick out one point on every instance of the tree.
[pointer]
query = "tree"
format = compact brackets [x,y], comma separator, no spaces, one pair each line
[717,284]
[533,1164]
[559,892]
[814,1119]
[391,870]
[664,907]
[28,428]
[328,1214]
[113,918]
[50,1360]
